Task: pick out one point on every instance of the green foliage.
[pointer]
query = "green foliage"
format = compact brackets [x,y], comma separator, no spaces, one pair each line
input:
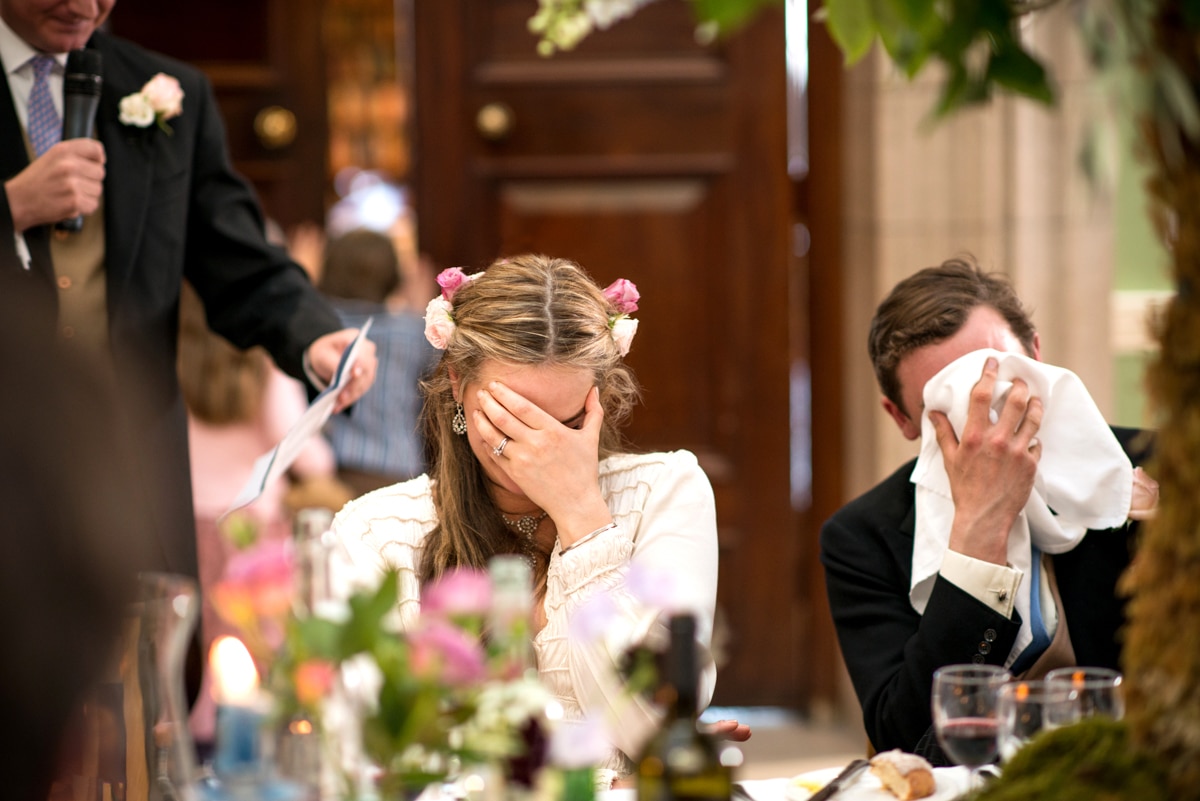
[977,43]
[1094,760]
[729,15]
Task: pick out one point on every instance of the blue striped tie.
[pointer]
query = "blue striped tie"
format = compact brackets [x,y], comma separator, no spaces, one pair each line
[1037,623]
[45,128]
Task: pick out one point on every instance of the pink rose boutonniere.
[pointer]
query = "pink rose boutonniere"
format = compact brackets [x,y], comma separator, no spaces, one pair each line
[158,101]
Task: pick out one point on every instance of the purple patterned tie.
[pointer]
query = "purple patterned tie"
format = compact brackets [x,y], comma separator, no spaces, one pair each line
[45,128]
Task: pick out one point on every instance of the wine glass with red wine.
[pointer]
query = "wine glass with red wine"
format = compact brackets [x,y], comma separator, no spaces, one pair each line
[965,713]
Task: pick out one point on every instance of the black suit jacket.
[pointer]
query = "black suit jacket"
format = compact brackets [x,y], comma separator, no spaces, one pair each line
[173,208]
[891,651]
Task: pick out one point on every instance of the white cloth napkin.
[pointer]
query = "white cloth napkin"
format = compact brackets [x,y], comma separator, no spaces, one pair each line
[1083,474]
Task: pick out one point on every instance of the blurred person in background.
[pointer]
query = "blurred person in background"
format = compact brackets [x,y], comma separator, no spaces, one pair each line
[380,443]
[64,585]
[240,406]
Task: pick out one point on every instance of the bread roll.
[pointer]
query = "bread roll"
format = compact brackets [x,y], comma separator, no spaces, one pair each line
[906,776]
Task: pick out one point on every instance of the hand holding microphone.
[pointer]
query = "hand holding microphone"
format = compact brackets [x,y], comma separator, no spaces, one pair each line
[81,98]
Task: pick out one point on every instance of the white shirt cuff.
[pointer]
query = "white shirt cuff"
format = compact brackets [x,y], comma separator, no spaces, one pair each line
[992,584]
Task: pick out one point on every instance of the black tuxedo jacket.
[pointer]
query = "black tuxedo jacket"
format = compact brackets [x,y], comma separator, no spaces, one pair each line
[891,651]
[173,208]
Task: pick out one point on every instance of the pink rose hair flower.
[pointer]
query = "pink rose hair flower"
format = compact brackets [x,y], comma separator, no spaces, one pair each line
[439,317]
[623,295]
[450,280]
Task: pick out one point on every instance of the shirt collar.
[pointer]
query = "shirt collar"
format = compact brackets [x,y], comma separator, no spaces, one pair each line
[15,51]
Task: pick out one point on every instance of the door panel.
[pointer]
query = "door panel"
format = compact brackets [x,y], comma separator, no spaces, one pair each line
[646,156]
[259,55]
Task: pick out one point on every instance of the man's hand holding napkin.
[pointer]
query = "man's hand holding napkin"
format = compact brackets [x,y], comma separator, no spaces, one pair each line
[1014,452]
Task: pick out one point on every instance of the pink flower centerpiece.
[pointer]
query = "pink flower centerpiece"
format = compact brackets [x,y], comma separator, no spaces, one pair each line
[439,692]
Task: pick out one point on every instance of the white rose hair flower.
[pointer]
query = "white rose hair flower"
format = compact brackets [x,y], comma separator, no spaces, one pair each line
[159,100]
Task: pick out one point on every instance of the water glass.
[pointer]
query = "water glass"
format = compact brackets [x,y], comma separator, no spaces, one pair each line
[1098,690]
[965,699]
[1027,708]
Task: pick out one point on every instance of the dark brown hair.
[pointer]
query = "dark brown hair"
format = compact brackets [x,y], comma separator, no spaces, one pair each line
[360,265]
[932,305]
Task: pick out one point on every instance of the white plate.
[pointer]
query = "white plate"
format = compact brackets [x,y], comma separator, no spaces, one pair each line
[951,783]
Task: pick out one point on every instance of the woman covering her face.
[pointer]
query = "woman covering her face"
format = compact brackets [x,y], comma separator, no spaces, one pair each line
[522,416]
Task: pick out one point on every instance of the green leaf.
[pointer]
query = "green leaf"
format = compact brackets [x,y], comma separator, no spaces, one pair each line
[954,91]
[1012,67]
[852,25]
[908,44]
[729,14]
[920,15]
[317,637]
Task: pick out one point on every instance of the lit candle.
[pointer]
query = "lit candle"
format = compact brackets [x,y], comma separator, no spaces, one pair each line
[240,711]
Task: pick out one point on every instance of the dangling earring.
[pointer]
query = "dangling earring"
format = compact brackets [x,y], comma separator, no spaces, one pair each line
[458,423]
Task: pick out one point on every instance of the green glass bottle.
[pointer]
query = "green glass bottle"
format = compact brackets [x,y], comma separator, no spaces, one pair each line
[682,763]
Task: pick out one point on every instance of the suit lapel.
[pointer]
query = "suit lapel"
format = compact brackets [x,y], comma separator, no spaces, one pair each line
[128,173]
[13,159]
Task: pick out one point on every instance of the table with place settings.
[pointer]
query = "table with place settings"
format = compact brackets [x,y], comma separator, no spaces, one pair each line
[951,784]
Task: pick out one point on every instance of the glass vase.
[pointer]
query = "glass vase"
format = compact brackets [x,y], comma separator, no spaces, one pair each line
[130,739]
[165,620]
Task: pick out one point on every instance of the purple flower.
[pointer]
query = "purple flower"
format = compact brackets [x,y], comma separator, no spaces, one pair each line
[623,295]
[458,592]
[579,744]
[443,652]
[652,586]
[592,618]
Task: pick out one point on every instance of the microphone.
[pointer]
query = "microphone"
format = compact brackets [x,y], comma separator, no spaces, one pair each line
[81,98]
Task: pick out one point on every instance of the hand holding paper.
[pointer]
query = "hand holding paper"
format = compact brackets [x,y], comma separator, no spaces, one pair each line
[326,356]
[274,463]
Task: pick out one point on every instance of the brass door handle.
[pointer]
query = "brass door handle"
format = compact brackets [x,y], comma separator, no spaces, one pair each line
[494,121]
[275,127]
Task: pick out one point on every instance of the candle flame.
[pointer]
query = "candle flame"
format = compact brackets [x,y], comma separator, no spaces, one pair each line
[235,679]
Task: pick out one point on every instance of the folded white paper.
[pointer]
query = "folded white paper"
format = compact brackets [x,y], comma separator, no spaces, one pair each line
[275,462]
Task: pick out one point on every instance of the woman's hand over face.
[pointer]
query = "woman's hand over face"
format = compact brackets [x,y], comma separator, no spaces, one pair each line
[555,463]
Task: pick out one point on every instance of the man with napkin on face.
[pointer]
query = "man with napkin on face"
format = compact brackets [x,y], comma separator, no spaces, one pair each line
[1002,543]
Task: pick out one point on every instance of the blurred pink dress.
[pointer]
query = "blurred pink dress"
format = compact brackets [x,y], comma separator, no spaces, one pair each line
[222,459]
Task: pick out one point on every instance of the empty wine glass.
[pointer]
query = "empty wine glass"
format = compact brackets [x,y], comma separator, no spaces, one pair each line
[1098,689]
[965,713]
[1029,707]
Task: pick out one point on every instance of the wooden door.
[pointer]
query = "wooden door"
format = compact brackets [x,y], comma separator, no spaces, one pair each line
[647,156]
[264,60]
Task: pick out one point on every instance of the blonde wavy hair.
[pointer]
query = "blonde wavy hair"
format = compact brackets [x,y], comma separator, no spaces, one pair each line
[526,310]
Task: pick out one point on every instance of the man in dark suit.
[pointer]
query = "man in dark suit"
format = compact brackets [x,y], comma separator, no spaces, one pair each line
[891,650]
[159,206]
